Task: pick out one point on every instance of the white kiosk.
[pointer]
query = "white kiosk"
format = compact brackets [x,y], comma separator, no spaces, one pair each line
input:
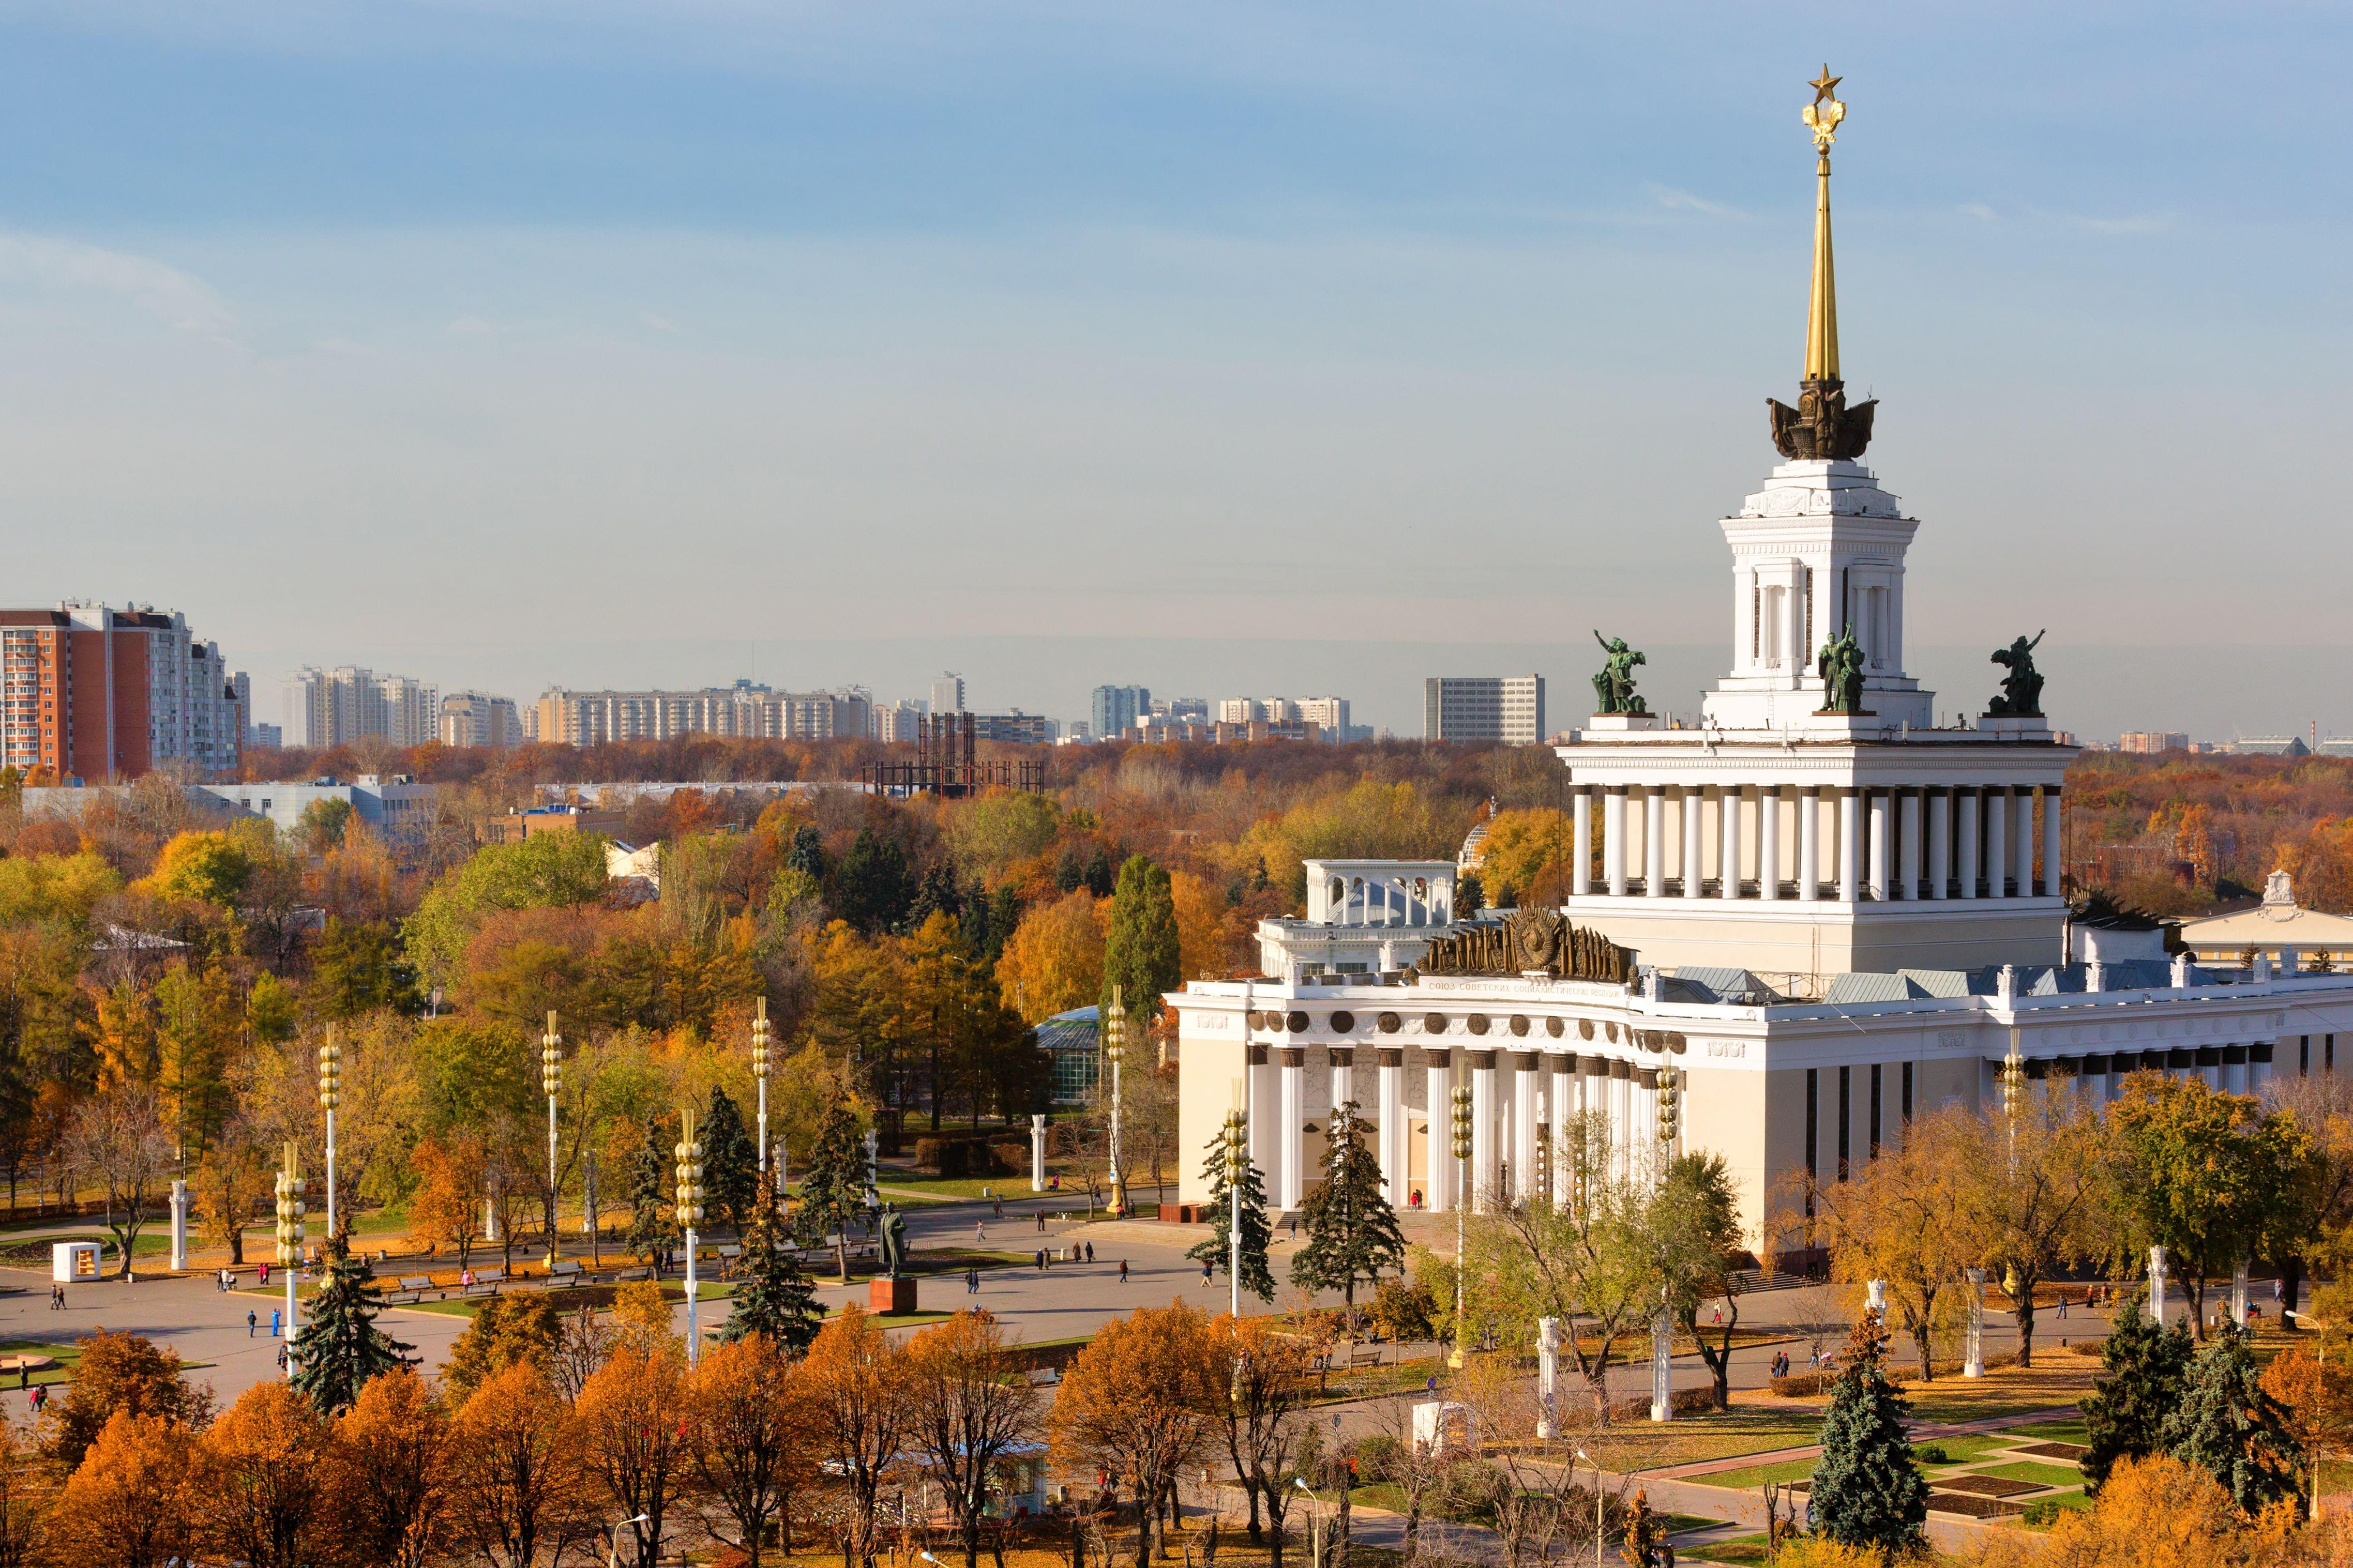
[75,1262]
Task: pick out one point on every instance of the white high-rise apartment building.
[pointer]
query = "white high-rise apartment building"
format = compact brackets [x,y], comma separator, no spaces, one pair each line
[412,710]
[472,718]
[333,707]
[947,693]
[1507,708]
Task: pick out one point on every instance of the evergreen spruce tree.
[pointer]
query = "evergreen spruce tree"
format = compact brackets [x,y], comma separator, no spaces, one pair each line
[808,853]
[1140,956]
[833,1182]
[650,1197]
[775,1298]
[1217,1251]
[2225,1424]
[730,1163]
[1352,1231]
[340,1347]
[1865,1491]
[2146,1369]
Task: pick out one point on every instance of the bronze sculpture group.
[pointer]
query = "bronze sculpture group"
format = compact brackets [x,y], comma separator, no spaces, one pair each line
[1613,686]
[2021,688]
[1840,664]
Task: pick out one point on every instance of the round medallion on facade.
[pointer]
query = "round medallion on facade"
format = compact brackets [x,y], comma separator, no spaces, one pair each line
[1344,1023]
[1272,1023]
[1296,1023]
[1585,1028]
[1553,1027]
[1478,1023]
[1390,1023]
[1677,1044]
[1255,1019]
[1610,1033]
[1433,1023]
[1519,1024]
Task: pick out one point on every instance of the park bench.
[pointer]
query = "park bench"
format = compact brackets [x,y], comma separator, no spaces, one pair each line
[1370,1355]
[412,1286]
[487,1282]
[628,1276]
[565,1272]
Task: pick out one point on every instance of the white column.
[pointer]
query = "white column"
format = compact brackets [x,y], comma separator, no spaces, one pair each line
[1560,1103]
[1439,1088]
[1655,841]
[1644,1094]
[1292,1149]
[2022,828]
[1581,863]
[1728,830]
[1769,842]
[1484,1115]
[1850,846]
[1038,1152]
[1938,803]
[2055,863]
[1810,843]
[1967,808]
[1621,1119]
[1265,1093]
[1694,868]
[1393,1126]
[1907,843]
[1877,800]
[1343,1075]
[1613,839]
[1996,823]
[1525,1065]
[2234,1073]
[180,1226]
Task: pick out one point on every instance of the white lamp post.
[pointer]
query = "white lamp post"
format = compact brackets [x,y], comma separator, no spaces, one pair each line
[550,1083]
[331,1093]
[1461,1098]
[690,1213]
[1236,1162]
[760,1070]
[1115,1050]
[289,1236]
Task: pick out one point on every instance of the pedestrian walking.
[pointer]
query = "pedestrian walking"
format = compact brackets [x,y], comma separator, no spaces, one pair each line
[57,1298]
[972,1281]
[1090,1252]
[249,1322]
[1041,1221]
[1123,1270]
[1000,1207]
[1041,1260]
[979,1234]
[274,1325]
[1205,1274]
[265,1275]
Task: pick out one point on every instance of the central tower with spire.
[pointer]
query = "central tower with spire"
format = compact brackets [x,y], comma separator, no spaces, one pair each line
[1821,425]
[1820,820]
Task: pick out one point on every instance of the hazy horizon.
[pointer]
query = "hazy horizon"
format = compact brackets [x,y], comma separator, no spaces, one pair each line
[503,343]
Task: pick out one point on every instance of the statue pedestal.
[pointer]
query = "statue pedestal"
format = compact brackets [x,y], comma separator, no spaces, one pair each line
[1616,723]
[889,1294]
[2015,726]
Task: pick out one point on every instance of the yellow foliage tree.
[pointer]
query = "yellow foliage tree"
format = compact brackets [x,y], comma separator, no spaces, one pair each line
[263,1464]
[1055,961]
[128,1503]
[1204,941]
[2158,1512]
[1520,845]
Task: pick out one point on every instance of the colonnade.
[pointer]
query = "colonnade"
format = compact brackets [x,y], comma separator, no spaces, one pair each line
[2233,1069]
[1524,1106]
[1893,842]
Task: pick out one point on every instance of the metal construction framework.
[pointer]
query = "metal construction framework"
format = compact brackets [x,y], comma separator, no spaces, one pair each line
[945,765]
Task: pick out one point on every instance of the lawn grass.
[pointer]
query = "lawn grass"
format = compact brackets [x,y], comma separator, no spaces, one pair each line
[1961,1451]
[65,1356]
[1742,1550]
[1727,1434]
[2052,1431]
[2037,1473]
[2002,1391]
[1755,1476]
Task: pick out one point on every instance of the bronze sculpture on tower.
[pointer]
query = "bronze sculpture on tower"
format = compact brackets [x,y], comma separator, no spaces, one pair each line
[1821,425]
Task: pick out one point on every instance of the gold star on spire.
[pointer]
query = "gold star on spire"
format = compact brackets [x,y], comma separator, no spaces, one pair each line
[1825,85]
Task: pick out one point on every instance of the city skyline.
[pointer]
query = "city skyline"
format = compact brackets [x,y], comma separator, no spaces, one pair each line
[1087,314]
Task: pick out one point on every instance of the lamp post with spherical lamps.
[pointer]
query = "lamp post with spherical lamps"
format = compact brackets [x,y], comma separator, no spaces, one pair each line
[1462,1201]
[688,1170]
[760,1070]
[290,1234]
[550,1083]
[1115,1051]
[331,1094]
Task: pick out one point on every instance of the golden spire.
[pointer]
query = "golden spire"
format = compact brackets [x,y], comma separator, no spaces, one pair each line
[1823,118]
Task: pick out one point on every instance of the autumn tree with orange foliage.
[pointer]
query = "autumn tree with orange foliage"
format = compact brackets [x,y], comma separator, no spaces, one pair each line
[262,1469]
[970,1408]
[129,1504]
[751,1438]
[855,1378]
[125,1372]
[516,1483]
[1140,1402]
[389,1472]
[26,1492]
[1055,960]
[447,1203]
[633,1425]
[1269,1381]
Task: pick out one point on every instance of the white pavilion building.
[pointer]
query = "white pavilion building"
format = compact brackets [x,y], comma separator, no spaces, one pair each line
[1840,914]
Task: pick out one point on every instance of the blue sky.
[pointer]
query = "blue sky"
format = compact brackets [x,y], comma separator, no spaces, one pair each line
[510,344]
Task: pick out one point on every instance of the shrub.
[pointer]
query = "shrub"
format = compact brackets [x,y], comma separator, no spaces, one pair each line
[2041,1513]
[1403,1309]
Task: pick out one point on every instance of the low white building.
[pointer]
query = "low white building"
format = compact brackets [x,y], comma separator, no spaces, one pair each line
[1817,916]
